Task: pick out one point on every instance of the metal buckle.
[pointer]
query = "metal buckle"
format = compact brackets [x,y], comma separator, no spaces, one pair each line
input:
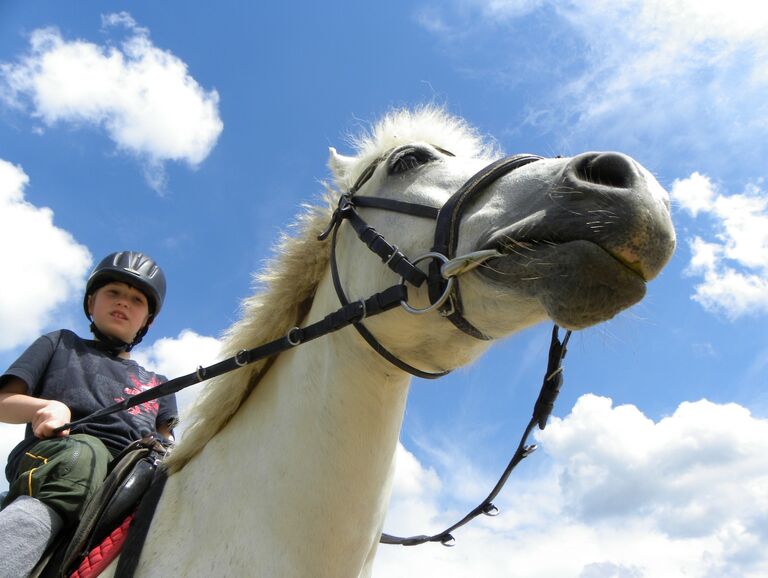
[395,249]
[345,203]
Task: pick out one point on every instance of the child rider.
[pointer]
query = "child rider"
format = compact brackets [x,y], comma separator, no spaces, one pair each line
[61,378]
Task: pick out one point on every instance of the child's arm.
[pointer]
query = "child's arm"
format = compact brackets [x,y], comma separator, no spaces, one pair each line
[45,415]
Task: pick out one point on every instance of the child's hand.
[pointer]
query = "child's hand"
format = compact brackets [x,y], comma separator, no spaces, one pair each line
[52,415]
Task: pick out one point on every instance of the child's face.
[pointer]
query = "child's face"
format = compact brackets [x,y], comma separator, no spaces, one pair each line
[119,310]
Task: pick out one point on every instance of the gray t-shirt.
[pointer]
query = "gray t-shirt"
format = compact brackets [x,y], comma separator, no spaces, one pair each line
[85,377]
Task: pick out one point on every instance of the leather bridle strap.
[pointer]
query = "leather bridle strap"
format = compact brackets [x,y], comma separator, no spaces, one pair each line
[447,235]
[363,330]
[414,209]
[389,254]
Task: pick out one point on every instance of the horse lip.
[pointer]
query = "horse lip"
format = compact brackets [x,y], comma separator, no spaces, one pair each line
[633,266]
[522,234]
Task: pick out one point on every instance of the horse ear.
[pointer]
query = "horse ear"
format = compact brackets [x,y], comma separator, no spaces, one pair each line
[339,164]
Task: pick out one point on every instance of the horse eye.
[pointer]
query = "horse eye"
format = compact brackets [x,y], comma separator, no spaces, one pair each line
[409,158]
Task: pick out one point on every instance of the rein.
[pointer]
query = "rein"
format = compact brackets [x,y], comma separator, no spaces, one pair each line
[374,305]
[545,403]
[444,269]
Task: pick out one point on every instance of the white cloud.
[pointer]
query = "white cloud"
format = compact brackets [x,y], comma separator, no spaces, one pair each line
[687,73]
[733,293]
[622,497]
[499,9]
[142,96]
[694,194]
[692,473]
[174,357]
[734,265]
[412,479]
[670,61]
[43,266]
[120,19]
[610,570]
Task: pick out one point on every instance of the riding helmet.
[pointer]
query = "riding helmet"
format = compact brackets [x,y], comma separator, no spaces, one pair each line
[135,269]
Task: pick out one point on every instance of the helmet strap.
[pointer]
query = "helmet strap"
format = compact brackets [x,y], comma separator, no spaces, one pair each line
[113,344]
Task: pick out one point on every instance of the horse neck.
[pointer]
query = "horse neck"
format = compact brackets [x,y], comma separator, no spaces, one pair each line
[311,450]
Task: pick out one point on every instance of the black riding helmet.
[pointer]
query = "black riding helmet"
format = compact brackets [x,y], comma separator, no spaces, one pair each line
[137,270]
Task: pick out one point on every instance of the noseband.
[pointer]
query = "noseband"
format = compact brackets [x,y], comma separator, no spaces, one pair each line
[444,267]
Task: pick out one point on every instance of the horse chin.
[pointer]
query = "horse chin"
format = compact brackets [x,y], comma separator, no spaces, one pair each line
[578,283]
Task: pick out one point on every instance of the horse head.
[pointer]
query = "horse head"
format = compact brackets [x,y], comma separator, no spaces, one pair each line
[574,240]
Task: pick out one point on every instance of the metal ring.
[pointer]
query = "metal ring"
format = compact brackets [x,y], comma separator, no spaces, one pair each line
[200,373]
[237,358]
[293,341]
[443,297]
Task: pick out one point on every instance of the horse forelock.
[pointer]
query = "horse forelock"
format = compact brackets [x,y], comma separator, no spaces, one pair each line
[427,124]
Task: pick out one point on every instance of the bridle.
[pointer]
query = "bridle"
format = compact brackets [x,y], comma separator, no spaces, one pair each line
[442,281]
[444,267]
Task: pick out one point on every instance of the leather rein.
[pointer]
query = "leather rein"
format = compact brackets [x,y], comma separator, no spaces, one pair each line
[442,281]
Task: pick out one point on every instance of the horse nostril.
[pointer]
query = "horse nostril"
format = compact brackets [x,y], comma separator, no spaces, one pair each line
[610,169]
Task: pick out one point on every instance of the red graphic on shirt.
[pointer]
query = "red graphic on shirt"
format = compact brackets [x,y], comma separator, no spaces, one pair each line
[150,406]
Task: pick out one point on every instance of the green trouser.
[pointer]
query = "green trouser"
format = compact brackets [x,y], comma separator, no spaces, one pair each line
[62,473]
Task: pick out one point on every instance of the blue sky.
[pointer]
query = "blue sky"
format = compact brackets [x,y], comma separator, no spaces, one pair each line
[194,134]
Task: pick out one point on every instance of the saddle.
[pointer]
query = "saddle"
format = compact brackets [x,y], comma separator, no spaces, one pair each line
[106,512]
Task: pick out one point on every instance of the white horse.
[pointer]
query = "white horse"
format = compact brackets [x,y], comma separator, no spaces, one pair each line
[286,466]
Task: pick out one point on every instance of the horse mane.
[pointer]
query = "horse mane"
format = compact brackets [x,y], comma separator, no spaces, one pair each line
[286,286]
